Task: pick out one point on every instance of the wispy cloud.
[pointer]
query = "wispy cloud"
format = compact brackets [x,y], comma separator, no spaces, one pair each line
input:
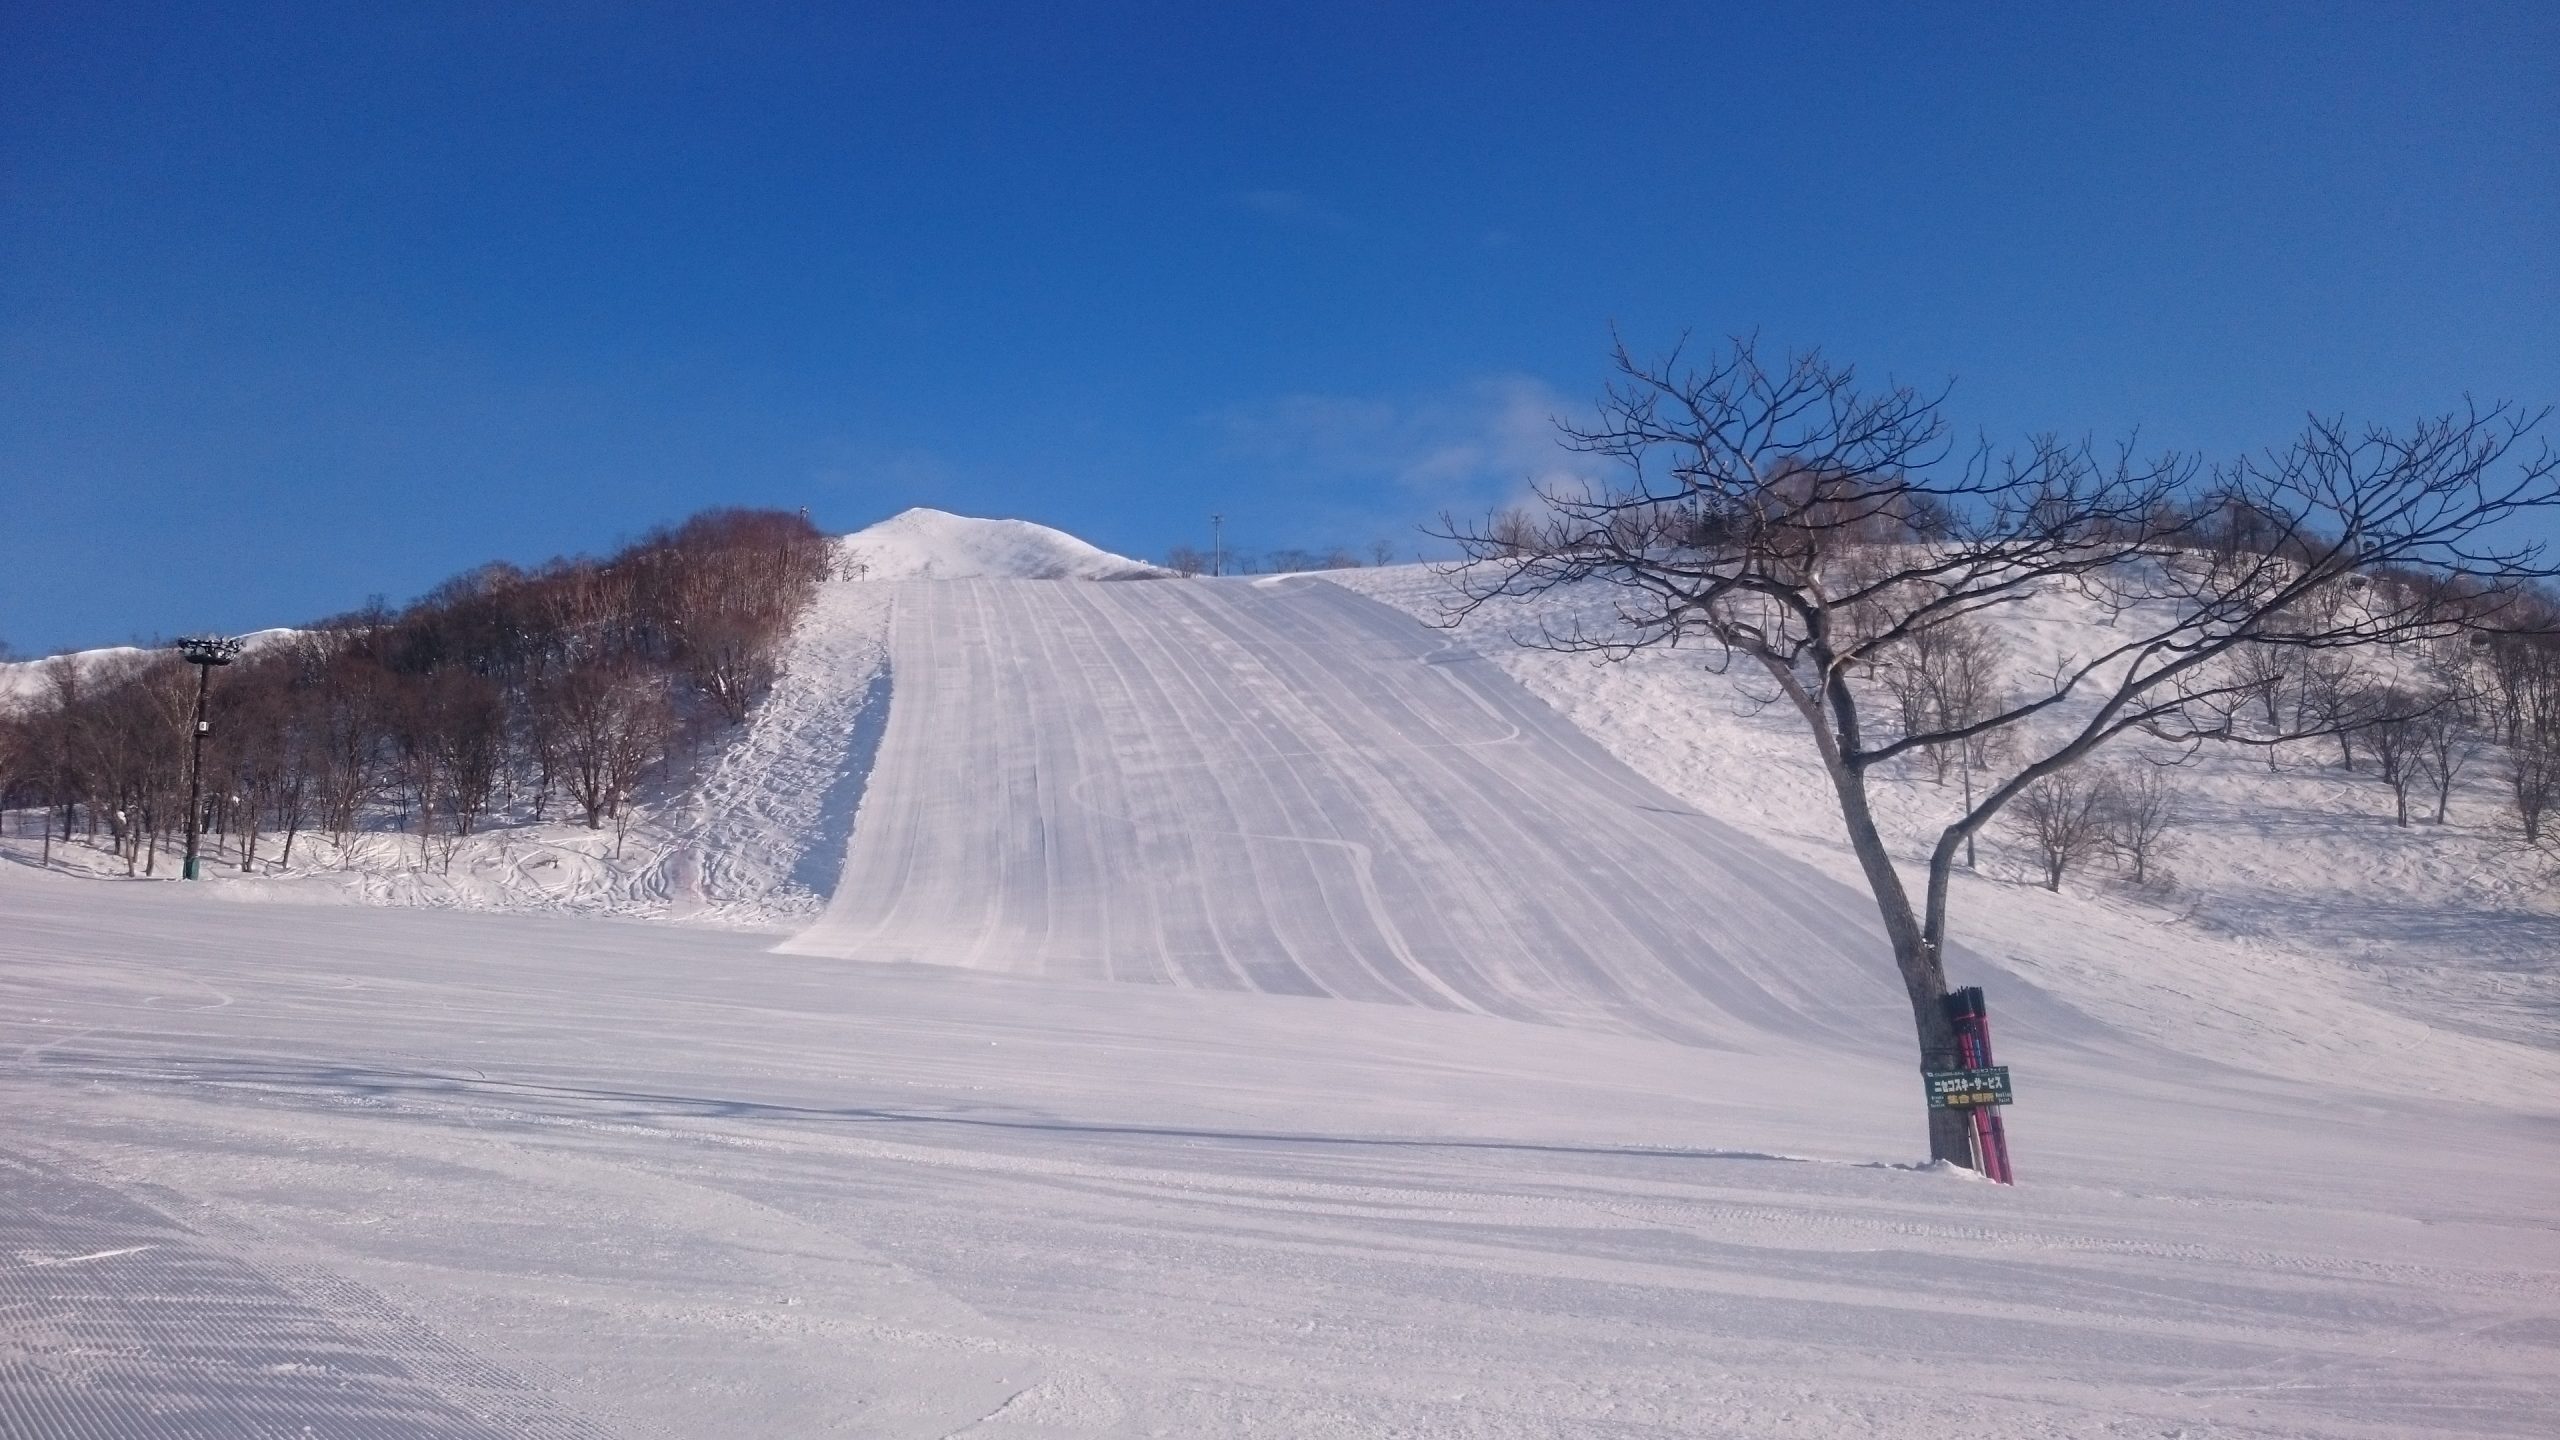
[1293,207]
[1393,462]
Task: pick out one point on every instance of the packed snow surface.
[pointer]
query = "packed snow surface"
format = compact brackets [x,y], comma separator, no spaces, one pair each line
[1287,788]
[923,544]
[402,1172]
[1316,1033]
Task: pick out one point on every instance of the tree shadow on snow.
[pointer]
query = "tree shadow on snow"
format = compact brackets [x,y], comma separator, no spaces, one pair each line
[333,1086]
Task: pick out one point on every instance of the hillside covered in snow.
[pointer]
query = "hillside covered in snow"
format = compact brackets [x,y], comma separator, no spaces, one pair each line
[923,544]
[1253,1007]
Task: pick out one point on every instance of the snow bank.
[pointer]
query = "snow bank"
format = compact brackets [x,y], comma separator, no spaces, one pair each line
[923,544]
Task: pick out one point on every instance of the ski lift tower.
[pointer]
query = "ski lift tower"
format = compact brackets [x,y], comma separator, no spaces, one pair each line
[204,652]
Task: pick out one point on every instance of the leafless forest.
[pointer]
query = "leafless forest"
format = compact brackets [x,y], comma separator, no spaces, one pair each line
[543,693]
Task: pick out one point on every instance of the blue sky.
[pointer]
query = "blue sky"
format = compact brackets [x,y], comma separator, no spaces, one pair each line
[301,304]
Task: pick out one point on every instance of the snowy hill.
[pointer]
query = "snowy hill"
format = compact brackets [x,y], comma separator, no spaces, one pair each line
[2289,896]
[1236,1007]
[24,680]
[923,544]
[1289,789]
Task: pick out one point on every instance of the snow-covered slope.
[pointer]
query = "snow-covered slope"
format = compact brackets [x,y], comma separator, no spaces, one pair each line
[24,680]
[923,544]
[2299,927]
[1328,1026]
[1283,787]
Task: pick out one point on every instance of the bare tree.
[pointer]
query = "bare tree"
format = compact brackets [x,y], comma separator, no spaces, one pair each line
[612,722]
[17,754]
[470,744]
[430,707]
[2513,662]
[52,732]
[724,587]
[2267,673]
[256,748]
[2450,735]
[2333,697]
[2141,806]
[1827,526]
[2397,731]
[2064,816]
[1942,681]
[2533,760]
[348,722]
[729,657]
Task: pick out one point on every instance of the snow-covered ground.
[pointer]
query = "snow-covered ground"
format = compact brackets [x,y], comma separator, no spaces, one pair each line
[396,1172]
[1327,1026]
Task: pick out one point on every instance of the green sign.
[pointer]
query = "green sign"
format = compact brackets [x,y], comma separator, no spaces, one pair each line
[1964,1089]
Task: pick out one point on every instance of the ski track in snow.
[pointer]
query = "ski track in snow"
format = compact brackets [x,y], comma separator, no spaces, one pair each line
[177,1337]
[1293,790]
[664,1182]
[1317,1035]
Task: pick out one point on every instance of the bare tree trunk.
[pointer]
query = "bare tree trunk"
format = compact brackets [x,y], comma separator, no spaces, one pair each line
[1917,955]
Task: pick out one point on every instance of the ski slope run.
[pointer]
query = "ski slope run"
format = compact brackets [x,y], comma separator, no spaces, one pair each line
[1287,788]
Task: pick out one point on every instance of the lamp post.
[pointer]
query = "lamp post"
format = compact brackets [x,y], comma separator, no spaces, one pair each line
[204,652]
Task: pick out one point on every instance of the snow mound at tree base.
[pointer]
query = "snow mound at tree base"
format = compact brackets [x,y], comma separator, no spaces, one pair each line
[923,544]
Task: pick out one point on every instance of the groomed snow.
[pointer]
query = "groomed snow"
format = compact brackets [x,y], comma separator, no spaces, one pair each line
[1283,787]
[409,1173]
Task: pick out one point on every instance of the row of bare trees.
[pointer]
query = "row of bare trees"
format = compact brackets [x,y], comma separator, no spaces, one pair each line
[2071,816]
[504,690]
[2422,722]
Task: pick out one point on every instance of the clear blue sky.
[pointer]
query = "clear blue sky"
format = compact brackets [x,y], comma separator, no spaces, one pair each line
[300,304]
